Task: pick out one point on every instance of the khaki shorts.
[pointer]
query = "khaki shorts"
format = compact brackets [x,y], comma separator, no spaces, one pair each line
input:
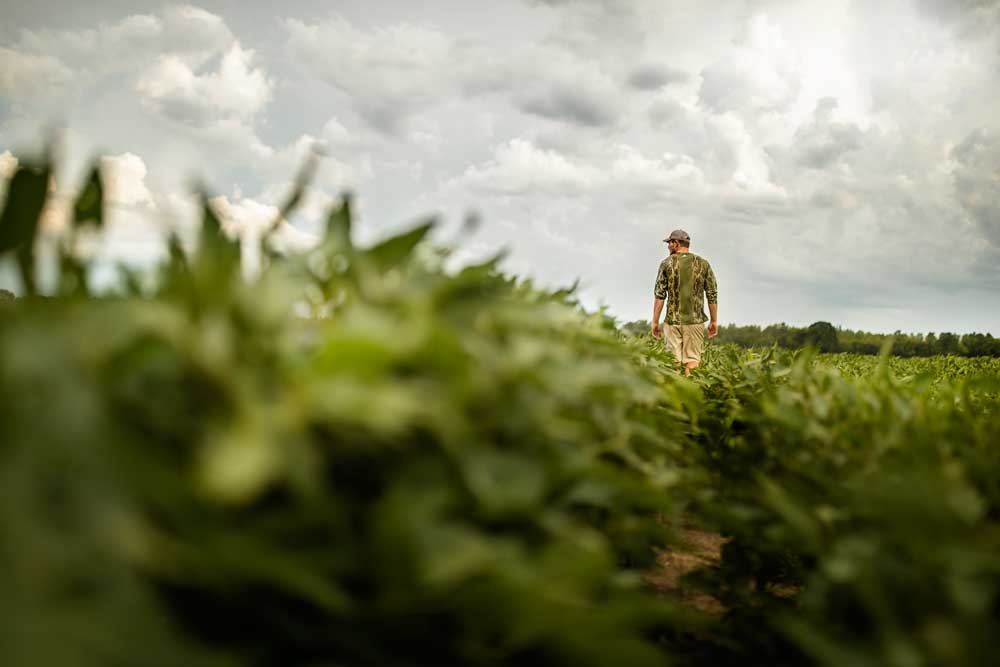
[686,341]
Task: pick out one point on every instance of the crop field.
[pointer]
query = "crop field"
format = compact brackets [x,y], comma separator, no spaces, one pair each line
[939,368]
[360,458]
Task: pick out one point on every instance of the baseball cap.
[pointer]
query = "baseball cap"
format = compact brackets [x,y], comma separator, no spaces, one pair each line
[678,235]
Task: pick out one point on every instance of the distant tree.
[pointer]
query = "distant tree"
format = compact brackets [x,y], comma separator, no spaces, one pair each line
[978,345]
[947,343]
[822,336]
[6,295]
[827,338]
[636,327]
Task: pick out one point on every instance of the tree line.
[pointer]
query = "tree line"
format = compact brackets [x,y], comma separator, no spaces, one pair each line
[828,338]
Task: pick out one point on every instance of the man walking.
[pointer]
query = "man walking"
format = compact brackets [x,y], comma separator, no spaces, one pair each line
[686,281]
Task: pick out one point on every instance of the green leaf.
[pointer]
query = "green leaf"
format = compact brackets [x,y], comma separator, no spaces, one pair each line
[217,248]
[393,251]
[89,206]
[25,200]
[338,225]
[302,180]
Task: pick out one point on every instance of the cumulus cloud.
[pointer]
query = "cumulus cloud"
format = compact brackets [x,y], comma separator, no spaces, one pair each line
[519,167]
[666,173]
[125,181]
[132,42]
[184,63]
[234,90]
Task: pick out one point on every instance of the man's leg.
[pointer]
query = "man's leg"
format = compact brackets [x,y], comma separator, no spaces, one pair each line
[693,344]
[674,337]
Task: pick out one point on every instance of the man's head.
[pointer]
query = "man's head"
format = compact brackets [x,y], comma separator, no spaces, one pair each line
[677,239]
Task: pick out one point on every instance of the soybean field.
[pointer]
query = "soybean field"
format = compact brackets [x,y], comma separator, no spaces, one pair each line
[359,457]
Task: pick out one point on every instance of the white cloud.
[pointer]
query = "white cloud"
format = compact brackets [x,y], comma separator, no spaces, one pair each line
[667,172]
[760,74]
[125,181]
[750,172]
[26,79]
[248,220]
[234,90]
[131,43]
[8,164]
[519,167]
[244,218]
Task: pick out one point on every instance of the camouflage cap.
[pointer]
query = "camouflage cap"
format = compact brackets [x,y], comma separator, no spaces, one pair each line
[678,235]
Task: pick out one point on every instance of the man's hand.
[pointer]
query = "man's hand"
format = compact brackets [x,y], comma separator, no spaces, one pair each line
[713,329]
[656,330]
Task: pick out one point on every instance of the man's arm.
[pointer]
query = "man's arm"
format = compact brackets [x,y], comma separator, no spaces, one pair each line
[659,294]
[657,309]
[712,296]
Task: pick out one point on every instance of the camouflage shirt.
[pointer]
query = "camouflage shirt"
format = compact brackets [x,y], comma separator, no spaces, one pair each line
[683,278]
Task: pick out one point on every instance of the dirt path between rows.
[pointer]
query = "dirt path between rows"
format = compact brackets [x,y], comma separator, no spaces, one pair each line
[695,549]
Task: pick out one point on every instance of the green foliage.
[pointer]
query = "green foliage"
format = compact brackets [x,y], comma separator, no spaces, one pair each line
[26,196]
[357,458]
[862,507]
[360,458]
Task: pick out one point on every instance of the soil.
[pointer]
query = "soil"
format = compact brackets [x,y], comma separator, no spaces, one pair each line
[695,549]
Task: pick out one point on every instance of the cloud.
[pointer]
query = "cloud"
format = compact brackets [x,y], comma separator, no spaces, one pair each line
[387,73]
[248,220]
[125,181]
[760,74]
[662,112]
[666,173]
[27,79]
[8,165]
[822,142]
[811,149]
[590,103]
[970,17]
[544,80]
[133,42]
[166,58]
[977,181]
[519,167]
[653,76]
[234,90]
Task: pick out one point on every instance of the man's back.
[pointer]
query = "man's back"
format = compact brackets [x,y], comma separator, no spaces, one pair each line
[685,280]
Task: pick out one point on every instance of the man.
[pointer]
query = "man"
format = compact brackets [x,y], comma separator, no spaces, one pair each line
[686,281]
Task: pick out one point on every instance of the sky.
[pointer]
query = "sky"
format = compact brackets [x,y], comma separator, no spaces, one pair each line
[833,160]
